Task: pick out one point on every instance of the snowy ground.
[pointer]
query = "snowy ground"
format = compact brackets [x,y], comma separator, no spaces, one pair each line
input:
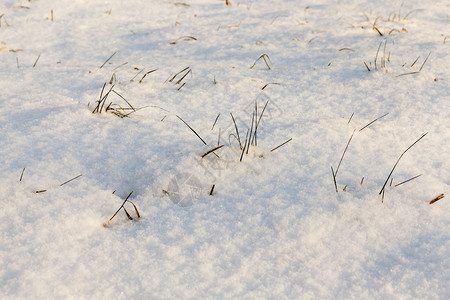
[274,226]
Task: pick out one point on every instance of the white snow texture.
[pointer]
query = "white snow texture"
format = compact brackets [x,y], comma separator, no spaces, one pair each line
[109,90]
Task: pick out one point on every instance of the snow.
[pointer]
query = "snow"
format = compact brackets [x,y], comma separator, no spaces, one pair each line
[274,226]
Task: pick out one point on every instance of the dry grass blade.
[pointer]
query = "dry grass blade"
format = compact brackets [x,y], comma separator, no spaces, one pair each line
[424,61]
[274,83]
[192,130]
[215,121]
[368,69]
[350,118]
[347,49]
[113,78]
[190,71]
[390,174]
[409,73]
[151,71]
[421,67]
[183,38]
[345,150]
[125,63]
[376,55]
[21,175]
[155,106]
[373,121]
[407,15]
[181,4]
[124,100]
[101,101]
[334,179]
[237,131]
[181,86]
[281,145]
[132,79]
[377,30]
[279,16]
[108,60]
[412,65]
[70,180]
[121,113]
[212,190]
[259,120]
[212,150]
[383,62]
[255,139]
[104,99]
[174,76]
[218,139]
[263,56]
[407,180]
[251,130]
[262,112]
[245,144]
[37,59]
[135,208]
[393,30]
[127,213]
[113,108]
[437,198]
[310,41]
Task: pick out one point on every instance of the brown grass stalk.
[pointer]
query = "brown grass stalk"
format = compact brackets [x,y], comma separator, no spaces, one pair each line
[437,199]
[398,160]
[107,60]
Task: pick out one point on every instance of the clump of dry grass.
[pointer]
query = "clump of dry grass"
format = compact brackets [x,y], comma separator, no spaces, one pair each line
[125,210]
[186,71]
[114,108]
[382,191]
[420,69]
[383,25]
[382,60]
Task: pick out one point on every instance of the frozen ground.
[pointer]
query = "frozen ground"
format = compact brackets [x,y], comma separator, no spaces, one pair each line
[274,226]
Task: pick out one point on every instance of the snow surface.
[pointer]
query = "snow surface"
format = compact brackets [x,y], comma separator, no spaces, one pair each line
[275,226]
